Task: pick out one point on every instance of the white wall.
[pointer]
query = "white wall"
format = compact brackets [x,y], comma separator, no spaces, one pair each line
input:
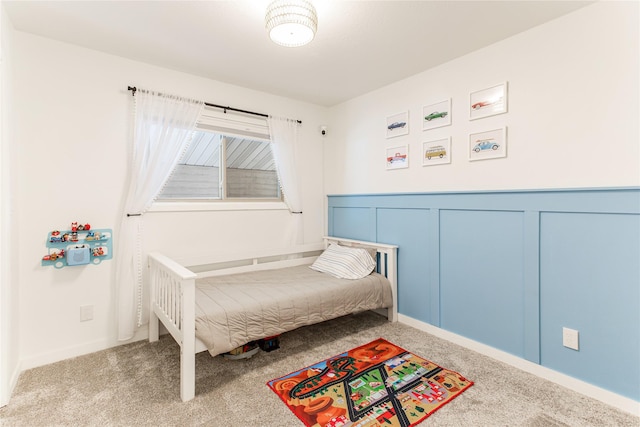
[9,339]
[572,119]
[73,118]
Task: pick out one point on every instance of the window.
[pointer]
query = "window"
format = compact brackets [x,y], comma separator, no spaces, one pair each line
[229,159]
[223,167]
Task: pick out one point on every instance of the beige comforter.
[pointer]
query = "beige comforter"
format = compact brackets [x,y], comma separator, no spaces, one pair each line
[235,309]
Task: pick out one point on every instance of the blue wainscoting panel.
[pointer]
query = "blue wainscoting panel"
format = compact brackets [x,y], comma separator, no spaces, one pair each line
[409,229]
[353,223]
[590,282]
[511,268]
[481,281]
[531,277]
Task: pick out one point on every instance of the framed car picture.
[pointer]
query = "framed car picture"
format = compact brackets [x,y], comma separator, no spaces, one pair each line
[488,102]
[436,115]
[491,144]
[397,157]
[436,152]
[398,124]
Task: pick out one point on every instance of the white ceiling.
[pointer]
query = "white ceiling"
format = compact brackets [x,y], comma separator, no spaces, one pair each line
[360,45]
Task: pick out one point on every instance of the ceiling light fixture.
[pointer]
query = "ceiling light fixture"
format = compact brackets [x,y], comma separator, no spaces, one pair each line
[291,23]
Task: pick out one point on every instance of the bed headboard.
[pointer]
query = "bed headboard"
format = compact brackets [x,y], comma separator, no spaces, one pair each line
[387,263]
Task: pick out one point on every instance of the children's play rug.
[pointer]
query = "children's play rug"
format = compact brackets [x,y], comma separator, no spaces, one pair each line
[377,384]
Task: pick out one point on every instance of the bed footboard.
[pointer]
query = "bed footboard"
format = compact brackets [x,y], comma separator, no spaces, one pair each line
[173,303]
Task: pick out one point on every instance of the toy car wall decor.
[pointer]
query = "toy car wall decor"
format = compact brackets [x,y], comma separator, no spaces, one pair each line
[481,104]
[436,115]
[397,158]
[485,144]
[438,151]
[396,125]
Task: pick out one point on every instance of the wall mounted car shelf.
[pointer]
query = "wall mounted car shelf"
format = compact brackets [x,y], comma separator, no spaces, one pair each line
[81,247]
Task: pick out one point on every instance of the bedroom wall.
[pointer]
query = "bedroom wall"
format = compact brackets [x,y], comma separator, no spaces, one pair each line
[72,121]
[9,356]
[572,119]
[483,253]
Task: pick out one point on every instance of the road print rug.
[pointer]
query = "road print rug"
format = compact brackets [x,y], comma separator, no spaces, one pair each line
[377,384]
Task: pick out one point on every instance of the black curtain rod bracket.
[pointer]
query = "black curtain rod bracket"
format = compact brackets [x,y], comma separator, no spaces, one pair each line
[133,90]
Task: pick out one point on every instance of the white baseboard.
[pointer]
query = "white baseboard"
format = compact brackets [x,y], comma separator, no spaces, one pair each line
[11,385]
[78,350]
[605,396]
[63,354]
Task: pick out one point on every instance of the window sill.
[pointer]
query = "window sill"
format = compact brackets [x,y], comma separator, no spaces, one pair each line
[216,206]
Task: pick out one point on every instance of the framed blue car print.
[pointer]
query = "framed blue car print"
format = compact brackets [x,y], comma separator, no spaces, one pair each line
[491,144]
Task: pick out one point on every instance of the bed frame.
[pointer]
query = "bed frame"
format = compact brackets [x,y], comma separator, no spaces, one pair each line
[172,291]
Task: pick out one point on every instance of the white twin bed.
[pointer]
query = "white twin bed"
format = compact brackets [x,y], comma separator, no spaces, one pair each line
[220,304]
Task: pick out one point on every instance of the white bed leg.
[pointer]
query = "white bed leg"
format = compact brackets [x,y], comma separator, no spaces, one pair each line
[154,330]
[187,375]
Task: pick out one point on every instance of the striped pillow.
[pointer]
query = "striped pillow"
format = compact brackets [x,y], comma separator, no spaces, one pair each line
[344,262]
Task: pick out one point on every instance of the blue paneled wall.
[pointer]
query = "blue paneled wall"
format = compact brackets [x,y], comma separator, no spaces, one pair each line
[510,269]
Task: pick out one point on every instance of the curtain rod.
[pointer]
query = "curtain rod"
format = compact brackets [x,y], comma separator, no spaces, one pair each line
[133,90]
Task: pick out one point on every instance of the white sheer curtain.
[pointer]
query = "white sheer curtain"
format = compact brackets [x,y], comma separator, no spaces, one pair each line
[284,138]
[163,128]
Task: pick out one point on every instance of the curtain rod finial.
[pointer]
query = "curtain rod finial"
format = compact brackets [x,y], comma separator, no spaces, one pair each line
[133,90]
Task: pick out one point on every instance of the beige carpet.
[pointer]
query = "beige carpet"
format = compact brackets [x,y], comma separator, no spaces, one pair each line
[138,385]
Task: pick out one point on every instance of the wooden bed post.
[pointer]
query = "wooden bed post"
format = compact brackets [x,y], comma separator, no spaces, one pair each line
[154,329]
[188,347]
[154,322]
[392,262]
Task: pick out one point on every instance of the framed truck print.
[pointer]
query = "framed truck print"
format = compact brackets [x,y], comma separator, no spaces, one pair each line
[397,157]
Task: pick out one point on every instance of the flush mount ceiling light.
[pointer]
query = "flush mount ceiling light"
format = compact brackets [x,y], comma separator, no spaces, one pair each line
[291,23]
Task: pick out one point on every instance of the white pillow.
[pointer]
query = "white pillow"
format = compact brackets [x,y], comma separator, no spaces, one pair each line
[344,262]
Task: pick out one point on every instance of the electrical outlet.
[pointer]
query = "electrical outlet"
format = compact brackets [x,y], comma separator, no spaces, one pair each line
[570,338]
[86,313]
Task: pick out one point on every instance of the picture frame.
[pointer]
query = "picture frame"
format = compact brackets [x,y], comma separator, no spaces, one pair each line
[491,144]
[488,102]
[397,157]
[436,115]
[436,152]
[398,124]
